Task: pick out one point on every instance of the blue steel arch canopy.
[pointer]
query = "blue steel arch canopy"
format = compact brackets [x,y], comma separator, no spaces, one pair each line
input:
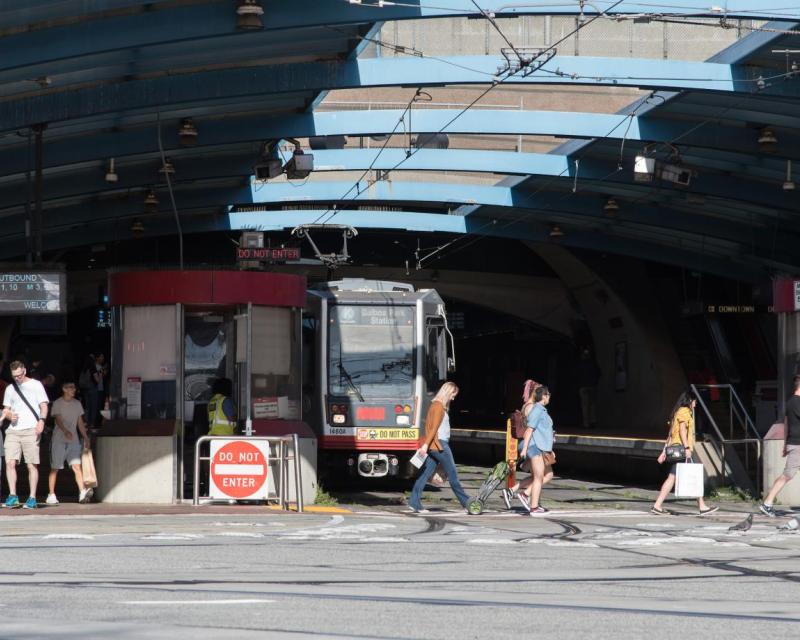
[119,80]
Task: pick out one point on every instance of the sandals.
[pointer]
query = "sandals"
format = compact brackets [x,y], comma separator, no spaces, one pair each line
[705,512]
[657,512]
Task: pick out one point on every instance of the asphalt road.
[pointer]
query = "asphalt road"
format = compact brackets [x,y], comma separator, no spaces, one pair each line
[597,566]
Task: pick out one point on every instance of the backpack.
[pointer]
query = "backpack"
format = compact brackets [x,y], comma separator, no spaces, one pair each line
[518,424]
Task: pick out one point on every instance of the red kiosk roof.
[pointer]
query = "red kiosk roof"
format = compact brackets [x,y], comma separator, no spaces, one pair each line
[206,287]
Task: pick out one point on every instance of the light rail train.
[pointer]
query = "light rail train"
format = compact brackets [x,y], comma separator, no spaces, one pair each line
[375,353]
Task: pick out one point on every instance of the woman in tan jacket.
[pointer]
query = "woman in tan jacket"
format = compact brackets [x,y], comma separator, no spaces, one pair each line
[437,436]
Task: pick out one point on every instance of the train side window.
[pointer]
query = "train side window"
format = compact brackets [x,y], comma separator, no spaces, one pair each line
[435,353]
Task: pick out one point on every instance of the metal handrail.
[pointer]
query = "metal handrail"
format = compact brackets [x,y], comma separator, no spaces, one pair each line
[744,418]
[281,459]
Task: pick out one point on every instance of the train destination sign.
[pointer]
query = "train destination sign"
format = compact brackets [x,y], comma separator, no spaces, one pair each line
[268,254]
[28,292]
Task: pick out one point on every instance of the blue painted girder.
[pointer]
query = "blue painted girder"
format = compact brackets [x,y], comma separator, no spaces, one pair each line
[730,194]
[284,14]
[163,92]
[667,218]
[738,267]
[733,267]
[140,139]
[549,165]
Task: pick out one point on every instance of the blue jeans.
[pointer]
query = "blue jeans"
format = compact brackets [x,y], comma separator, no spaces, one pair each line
[435,458]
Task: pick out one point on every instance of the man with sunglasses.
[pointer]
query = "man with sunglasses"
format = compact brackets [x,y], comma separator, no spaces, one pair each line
[25,405]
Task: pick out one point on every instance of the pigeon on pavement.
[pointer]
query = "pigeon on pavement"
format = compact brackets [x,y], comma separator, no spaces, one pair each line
[744,525]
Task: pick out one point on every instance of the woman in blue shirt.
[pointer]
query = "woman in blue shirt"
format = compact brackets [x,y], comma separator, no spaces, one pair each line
[538,439]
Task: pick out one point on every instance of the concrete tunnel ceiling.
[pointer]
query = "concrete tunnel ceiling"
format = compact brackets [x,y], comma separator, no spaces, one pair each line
[120,80]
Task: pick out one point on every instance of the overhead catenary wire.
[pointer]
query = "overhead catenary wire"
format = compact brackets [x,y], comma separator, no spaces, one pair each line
[511,73]
[552,180]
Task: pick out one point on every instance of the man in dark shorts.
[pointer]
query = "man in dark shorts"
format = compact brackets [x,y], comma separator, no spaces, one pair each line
[791,449]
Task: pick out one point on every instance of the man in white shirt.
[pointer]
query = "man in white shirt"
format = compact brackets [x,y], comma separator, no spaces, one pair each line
[64,445]
[25,405]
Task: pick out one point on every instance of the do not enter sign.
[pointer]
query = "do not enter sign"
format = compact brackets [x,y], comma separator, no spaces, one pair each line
[239,469]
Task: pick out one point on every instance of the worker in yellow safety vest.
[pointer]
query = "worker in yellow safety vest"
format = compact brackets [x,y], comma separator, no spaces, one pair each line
[221,412]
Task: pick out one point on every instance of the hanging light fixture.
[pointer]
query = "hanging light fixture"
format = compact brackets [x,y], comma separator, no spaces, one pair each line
[248,15]
[556,232]
[789,184]
[111,175]
[137,227]
[167,168]
[187,134]
[767,140]
[611,207]
[151,202]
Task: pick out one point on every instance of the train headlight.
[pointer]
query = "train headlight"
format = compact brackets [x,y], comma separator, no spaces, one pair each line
[402,420]
[338,418]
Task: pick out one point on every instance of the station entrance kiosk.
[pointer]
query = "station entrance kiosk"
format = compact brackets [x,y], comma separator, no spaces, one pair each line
[174,333]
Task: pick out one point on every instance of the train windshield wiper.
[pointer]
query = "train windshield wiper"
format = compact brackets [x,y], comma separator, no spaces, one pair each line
[349,379]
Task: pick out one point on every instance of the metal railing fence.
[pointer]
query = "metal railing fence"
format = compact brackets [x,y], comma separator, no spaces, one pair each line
[282,450]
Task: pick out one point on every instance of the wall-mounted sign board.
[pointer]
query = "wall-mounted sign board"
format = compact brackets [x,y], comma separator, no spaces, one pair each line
[32,292]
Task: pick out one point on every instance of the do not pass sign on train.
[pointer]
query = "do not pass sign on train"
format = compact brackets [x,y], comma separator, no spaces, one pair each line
[239,469]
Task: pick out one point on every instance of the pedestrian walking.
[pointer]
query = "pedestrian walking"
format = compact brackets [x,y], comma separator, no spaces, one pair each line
[528,390]
[436,445]
[25,404]
[791,449]
[64,445]
[537,447]
[681,432]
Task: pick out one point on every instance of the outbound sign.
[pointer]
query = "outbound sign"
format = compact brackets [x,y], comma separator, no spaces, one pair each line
[29,292]
[239,469]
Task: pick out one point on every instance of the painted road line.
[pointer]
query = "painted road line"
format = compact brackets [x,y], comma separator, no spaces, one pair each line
[204,602]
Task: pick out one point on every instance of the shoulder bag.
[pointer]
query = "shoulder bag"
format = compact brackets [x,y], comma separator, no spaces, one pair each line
[25,400]
[675,453]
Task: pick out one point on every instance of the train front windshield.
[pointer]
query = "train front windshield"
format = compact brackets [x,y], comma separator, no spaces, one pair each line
[371,352]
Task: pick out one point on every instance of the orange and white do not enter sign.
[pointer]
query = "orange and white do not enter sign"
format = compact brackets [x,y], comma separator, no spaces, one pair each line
[239,469]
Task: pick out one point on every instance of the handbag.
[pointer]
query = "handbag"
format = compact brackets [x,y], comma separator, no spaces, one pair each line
[689,482]
[675,453]
[88,470]
[549,457]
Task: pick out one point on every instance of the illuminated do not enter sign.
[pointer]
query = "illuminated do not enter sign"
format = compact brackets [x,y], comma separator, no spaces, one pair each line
[239,469]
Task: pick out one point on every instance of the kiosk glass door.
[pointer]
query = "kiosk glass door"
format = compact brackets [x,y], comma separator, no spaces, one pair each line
[209,343]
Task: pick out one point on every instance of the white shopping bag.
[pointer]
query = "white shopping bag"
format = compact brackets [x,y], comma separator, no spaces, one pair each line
[689,480]
[419,458]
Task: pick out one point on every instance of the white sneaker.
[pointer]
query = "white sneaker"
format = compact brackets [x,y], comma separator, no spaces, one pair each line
[85,496]
[51,499]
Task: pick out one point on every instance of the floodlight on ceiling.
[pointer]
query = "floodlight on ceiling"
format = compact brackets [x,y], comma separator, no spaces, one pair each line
[151,202]
[644,169]
[137,227]
[788,185]
[187,134]
[610,207]
[271,168]
[767,140]
[111,175]
[248,15]
[300,165]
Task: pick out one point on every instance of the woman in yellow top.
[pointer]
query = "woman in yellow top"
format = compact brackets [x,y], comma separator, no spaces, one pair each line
[681,432]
